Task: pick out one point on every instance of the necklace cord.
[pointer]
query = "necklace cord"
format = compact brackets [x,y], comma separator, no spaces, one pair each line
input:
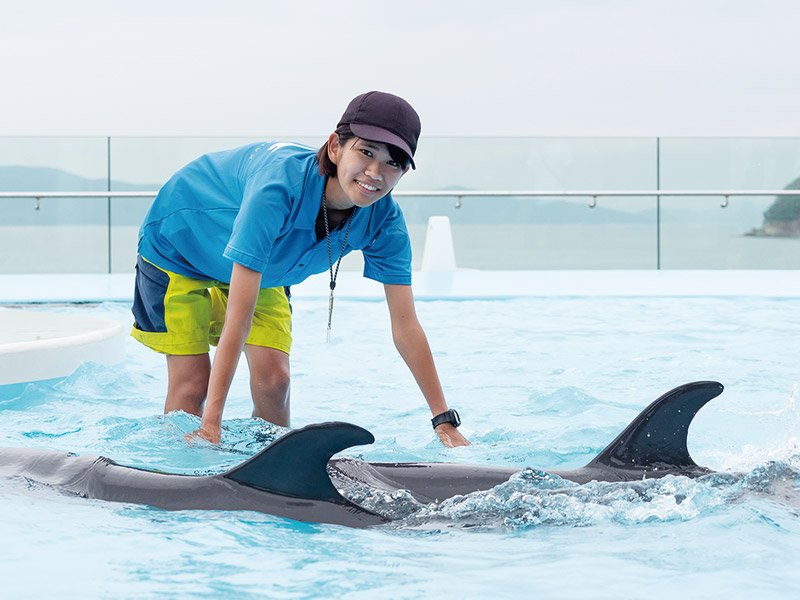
[335,274]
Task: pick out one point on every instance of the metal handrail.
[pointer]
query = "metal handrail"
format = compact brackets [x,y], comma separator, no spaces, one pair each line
[455,193]
[459,195]
[78,194]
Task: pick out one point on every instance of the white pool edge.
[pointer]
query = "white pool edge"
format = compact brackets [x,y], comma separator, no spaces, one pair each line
[68,288]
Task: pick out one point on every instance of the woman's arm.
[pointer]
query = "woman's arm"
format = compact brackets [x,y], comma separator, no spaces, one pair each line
[411,343]
[242,298]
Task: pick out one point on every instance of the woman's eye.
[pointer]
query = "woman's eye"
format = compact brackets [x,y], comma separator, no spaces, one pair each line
[393,163]
[366,153]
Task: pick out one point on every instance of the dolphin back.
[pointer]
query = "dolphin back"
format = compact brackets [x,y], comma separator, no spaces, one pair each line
[296,464]
[656,439]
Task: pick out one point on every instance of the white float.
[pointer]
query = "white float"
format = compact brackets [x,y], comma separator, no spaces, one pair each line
[37,346]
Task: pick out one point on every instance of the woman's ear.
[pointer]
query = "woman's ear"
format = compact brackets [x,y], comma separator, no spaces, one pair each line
[334,148]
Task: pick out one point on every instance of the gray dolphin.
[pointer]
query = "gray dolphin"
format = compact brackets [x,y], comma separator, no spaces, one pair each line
[291,477]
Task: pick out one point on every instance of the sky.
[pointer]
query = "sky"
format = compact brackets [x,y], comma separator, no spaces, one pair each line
[469,67]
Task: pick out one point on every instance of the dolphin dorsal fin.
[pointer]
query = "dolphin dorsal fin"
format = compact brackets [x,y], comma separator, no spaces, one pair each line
[657,437]
[296,463]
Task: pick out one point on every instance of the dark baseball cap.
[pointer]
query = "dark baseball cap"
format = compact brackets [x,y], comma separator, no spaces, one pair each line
[386,118]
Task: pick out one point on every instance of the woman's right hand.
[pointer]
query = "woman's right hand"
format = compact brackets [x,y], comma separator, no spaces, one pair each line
[209,433]
[242,299]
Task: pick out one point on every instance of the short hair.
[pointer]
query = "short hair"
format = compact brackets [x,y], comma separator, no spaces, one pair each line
[328,169]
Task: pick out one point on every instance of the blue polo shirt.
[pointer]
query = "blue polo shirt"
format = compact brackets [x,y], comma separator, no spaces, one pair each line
[257,205]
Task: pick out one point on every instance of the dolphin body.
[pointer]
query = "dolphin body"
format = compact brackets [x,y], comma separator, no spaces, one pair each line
[292,477]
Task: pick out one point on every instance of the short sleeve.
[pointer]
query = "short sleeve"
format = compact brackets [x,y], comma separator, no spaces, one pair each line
[387,258]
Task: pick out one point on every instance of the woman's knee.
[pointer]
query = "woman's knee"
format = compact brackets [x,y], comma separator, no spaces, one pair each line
[269,369]
[273,381]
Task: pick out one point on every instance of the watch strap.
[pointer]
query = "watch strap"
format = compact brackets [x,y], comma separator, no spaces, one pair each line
[449,416]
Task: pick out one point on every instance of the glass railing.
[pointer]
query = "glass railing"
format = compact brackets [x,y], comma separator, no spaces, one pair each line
[98,234]
[701,233]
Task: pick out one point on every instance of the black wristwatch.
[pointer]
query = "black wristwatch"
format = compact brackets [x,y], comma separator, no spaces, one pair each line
[450,416]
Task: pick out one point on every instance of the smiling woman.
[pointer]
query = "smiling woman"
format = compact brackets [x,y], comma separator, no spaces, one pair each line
[371,149]
[366,172]
[230,232]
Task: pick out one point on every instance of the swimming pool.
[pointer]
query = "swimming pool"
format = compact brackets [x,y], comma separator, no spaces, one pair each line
[543,382]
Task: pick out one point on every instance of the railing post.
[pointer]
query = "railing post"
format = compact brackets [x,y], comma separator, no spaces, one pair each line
[108,187]
[658,204]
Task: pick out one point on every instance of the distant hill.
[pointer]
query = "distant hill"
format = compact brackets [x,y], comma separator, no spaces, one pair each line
[417,210]
[46,179]
[782,218]
[67,211]
[516,210]
[473,211]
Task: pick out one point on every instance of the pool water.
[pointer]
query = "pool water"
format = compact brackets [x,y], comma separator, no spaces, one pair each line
[540,383]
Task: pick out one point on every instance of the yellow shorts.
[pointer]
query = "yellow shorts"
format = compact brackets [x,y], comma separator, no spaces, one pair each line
[176,314]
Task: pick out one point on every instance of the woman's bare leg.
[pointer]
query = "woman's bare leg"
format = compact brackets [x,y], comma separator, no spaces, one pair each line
[269,383]
[188,383]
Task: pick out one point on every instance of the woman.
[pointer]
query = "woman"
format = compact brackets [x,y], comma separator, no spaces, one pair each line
[230,232]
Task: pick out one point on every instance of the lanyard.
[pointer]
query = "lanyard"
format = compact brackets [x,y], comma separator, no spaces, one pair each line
[335,274]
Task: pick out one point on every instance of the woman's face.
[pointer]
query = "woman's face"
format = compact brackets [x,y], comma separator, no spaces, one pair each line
[365,170]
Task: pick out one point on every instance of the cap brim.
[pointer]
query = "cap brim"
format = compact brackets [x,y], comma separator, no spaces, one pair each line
[378,134]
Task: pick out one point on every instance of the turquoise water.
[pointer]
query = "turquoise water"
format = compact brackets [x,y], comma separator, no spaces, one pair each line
[540,383]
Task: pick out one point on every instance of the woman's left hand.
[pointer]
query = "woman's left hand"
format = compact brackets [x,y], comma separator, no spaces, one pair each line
[450,436]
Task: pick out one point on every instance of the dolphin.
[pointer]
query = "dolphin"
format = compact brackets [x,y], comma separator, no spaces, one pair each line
[294,476]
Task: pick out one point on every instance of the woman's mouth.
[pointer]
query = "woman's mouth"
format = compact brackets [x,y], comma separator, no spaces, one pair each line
[366,187]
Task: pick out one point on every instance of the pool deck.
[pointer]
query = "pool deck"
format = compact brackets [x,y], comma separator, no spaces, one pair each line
[37,345]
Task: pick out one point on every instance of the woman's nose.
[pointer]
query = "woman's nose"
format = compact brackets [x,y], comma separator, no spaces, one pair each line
[373,169]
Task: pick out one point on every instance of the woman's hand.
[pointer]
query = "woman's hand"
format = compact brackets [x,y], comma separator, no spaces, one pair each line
[450,436]
[208,433]
[410,340]
[242,298]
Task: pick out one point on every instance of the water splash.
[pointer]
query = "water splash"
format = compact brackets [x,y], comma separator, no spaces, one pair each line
[533,498]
